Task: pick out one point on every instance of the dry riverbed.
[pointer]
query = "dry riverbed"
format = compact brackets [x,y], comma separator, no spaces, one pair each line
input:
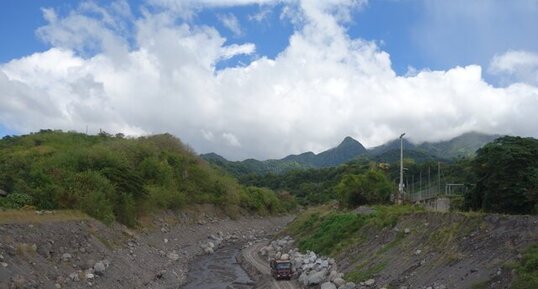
[36,252]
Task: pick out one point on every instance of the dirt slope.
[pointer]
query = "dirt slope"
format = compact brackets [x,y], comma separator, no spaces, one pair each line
[435,250]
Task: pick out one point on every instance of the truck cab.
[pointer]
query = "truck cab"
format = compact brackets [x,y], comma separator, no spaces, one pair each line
[281,269]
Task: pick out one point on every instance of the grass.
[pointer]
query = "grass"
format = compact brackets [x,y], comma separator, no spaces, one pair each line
[26,216]
[359,274]
[527,270]
[327,231]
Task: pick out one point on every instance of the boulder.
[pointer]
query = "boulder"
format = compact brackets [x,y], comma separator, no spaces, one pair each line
[99,268]
[369,282]
[66,257]
[333,275]
[303,278]
[348,285]
[339,281]
[328,285]
[317,277]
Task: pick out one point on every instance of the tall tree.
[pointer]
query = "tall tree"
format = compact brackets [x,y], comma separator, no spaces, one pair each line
[507,174]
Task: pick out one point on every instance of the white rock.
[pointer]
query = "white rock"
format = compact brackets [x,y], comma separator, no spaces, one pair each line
[317,277]
[172,256]
[349,285]
[333,275]
[369,282]
[328,285]
[66,256]
[339,282]
[99,268]
[303,278]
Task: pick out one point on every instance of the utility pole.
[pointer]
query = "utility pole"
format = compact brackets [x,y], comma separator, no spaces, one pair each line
[420,181]
[420,186]
[429,179]
[399,200]
[413,183]
[438,178]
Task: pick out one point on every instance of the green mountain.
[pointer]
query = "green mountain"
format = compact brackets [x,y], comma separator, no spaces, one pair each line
[464,145]
[347,150]
[393,156]
[350,149]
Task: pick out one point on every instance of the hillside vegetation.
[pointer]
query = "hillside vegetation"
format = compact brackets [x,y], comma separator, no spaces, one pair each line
[116,178]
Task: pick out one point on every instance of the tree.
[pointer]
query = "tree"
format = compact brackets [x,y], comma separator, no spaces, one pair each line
[368,188]
[507,177]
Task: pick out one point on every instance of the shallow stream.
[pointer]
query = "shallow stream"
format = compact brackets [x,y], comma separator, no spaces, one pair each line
[218,271]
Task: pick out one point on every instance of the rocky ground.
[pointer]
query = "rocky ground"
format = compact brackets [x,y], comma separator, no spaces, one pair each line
[87,254]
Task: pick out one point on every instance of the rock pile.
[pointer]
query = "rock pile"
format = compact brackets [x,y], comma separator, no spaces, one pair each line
[310,268]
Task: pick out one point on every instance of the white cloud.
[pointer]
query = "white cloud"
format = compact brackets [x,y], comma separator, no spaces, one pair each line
[322,87]
[517,66]
[261,15]
[231,22]
[231,139]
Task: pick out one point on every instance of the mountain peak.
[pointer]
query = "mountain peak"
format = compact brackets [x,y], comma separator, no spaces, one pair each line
[349,141]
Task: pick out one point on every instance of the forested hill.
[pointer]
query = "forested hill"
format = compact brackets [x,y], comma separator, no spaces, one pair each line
[118,178]
[347,150]
[350,149]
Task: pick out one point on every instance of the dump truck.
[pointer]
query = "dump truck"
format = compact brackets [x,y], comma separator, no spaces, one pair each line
[281,269]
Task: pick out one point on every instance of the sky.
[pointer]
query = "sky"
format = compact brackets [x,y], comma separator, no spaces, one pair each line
[267,78]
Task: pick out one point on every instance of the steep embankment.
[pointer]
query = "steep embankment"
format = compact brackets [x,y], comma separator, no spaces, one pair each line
[70,250]
[409,248]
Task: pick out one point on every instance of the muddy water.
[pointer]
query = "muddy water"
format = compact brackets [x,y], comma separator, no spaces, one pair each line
[218,271]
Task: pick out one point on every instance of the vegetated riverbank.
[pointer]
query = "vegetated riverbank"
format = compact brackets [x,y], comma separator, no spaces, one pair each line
[406,247]
[76,251]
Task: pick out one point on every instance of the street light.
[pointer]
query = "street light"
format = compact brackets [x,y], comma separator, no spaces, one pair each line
[401,185]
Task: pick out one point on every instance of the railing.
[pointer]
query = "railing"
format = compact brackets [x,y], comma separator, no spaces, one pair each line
[433,192]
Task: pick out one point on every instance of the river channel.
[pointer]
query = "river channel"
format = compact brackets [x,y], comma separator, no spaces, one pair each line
[218,271]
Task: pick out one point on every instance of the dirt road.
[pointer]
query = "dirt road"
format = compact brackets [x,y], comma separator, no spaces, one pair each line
[251,256]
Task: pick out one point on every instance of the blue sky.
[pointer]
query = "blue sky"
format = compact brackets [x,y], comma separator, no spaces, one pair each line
[411,31]
[499,37]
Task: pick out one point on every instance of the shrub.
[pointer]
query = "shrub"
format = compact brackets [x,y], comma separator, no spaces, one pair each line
[16,201]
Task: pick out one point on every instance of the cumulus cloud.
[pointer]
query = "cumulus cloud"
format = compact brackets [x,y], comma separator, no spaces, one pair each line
[324,86]
[516,66]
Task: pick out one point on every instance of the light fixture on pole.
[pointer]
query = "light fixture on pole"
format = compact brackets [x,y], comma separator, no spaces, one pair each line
[399,200]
